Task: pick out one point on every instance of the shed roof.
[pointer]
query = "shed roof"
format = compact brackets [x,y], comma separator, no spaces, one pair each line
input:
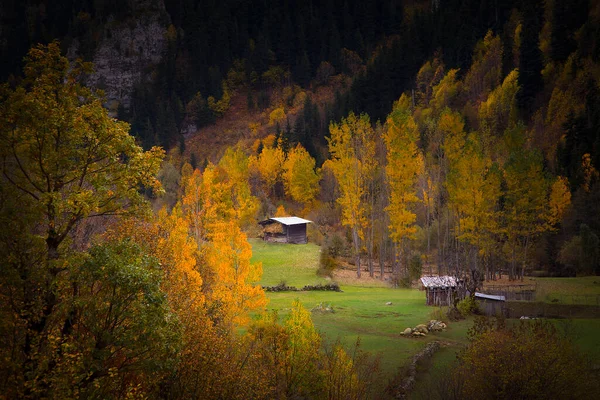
[286,221]
[489,296]
[438,281]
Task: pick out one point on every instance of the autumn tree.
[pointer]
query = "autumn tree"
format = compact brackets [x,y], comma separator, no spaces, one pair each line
[533,360]
[404,164]
[269,165]
[352,148]
[474,192]
[486,70]
[228,254]
[215,202]
[236,165]
[525,200]
[499,111]
[64,160]
[301,178]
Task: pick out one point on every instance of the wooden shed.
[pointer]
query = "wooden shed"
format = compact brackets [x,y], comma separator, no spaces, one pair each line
[285,230]
[491,305]
[440,290]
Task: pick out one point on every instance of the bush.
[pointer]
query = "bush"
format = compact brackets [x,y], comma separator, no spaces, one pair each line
[333,248]
[531,360]
[327,264]
[453,314]
[467,306]
[404,282]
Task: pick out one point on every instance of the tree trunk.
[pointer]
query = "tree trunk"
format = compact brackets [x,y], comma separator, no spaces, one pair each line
[356,241]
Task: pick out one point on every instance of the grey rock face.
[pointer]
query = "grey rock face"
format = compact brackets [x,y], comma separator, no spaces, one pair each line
[127,51]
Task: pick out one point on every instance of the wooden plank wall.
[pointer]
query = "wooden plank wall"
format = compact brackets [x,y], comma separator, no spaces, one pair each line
[297,234]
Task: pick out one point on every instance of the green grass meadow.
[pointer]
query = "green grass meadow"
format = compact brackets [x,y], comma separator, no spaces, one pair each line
[294,264]
[360,311]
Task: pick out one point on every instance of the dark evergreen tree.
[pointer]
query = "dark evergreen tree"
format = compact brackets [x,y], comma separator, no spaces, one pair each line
[530,56]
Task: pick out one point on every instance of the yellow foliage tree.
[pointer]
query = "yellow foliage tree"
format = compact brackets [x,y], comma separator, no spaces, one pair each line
[269,165]
[499,111]
[277,116]
[560,200]
[301,179]
[228,254]
[446,91]
[352,149]
[486,70]
[236,165]
[215,202]
[473,186]
[404,165]
[281,211]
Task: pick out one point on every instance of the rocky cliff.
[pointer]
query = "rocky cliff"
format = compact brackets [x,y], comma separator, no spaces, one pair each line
[127,50]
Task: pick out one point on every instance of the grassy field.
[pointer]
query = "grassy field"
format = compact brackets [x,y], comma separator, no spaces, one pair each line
[580,290]
[293,264]
[359,311]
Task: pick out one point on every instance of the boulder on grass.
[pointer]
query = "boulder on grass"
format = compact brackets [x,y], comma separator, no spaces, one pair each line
[435,325]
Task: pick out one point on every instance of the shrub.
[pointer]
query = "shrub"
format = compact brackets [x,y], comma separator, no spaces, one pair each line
[453,314]
[467,306]
[327,264]
[404,282]
[531,360]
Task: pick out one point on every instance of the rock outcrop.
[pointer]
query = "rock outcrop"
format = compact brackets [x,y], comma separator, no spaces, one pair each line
[127,50]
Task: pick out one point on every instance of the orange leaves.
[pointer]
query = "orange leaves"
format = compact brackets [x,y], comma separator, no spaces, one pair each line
[215,203]
[228,255]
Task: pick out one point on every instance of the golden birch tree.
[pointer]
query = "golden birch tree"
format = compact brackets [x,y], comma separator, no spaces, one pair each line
[404,165]
[301,178]
[473,186]
[352,149]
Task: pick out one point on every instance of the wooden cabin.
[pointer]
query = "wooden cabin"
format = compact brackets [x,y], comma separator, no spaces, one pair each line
[285,230]
[491,305]
[440,290]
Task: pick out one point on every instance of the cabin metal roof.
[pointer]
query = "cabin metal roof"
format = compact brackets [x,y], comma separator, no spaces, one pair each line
[489,296]
[438,281]
[287,221]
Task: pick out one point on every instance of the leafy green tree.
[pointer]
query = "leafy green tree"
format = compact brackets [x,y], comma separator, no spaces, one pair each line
[64,160]
[111,346]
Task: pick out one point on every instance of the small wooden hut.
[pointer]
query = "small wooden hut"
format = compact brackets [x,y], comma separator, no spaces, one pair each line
[285,230]
[440,290]
[491,305]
